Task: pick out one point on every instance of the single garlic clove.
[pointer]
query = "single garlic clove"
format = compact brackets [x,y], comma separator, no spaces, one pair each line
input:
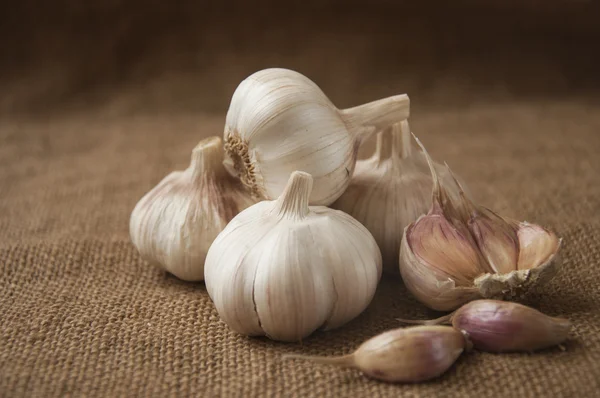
[174,224]
[403,355]
[435,289]
[500,326]
[496,239]
[279,121]
[538,246]
[283,269]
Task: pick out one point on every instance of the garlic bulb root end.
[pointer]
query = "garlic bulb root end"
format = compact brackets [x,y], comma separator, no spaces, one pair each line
[245,169]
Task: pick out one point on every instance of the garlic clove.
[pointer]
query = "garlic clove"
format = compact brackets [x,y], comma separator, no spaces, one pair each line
[284,269]
[538,246]
[348,267]
[279,121]
[500,326]
[495,237]
[442,248]
[291,300]
[435,290]
[403,355]
[174,224]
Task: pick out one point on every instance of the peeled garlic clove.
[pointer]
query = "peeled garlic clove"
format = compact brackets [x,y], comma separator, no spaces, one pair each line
[387,192]
[501,326]
[403,355]
[174,224]
[283,269]
[279,121]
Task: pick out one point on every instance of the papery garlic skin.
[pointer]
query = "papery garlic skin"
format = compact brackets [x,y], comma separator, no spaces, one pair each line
[389,191]
[279,121]
[460,252]
[283,269]
[175,223]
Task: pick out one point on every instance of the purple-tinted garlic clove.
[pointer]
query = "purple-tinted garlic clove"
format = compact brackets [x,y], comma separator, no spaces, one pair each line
[500,326]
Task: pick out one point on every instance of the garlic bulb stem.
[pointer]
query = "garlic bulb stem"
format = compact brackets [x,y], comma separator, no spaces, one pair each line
[377,114]
[393,143]
[405,139]
[207,157]
[293,202]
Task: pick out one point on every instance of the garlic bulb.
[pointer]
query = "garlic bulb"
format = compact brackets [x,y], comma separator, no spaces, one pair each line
[390,190]
[403,355]
[279,121]
[459,252]
[283,269]
[174,224]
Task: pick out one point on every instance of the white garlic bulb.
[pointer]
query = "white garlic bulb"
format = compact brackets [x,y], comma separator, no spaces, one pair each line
[279,121]
[390,190]
[283,269]
[174,224]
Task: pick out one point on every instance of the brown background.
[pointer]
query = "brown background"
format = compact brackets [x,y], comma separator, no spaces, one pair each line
[100,100]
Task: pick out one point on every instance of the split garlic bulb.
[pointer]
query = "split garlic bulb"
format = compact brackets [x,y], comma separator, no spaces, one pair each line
[389,191]
[283,269]
[279,121]
[174,224]
[460,252]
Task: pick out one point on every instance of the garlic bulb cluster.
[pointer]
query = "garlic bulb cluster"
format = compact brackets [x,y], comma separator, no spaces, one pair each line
[460,251]
[174,224]
[283,269]
[390,190]
[403,355]
[279,121]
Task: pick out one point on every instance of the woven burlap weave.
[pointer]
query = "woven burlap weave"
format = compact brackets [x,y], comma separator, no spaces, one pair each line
[88,126]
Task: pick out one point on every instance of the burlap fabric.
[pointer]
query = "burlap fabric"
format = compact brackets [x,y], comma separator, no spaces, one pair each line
[95,111]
